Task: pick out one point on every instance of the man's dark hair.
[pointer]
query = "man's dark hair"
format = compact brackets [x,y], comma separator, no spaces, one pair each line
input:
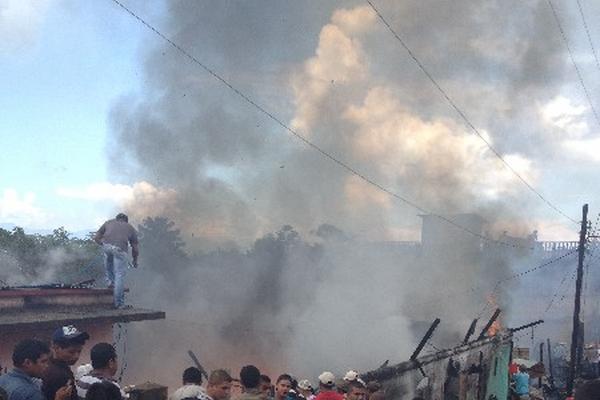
[64,343]
[192,375]
[122,217]
[29,349]
[101,354]
[285,377]
[103,391]
[250,377]
[265,379]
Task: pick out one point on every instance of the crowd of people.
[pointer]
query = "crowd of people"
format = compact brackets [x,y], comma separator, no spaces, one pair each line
[44,372]
[252,385]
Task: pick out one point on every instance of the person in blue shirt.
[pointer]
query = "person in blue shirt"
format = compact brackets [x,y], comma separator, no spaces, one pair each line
[30,360]
[521,380]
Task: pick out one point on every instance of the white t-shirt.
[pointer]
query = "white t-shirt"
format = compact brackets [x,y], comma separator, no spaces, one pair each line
[190,390]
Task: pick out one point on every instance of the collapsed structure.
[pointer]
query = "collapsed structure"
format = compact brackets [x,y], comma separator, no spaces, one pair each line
[475,370]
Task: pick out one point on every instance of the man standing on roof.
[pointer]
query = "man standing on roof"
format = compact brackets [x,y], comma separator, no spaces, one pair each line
[115,236]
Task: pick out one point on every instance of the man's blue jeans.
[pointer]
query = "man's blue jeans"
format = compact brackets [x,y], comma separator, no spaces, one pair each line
[115,261]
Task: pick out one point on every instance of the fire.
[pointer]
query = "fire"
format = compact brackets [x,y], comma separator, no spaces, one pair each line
[496,326]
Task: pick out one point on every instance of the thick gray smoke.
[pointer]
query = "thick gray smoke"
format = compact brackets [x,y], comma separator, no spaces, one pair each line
[334,73]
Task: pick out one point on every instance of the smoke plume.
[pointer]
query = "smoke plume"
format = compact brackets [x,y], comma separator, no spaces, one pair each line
[300,299]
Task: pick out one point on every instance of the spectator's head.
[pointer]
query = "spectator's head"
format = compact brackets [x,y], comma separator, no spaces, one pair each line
[32,357]
[326,381]
[103,391]
[104,357]
[219,385]
[265,385]
[67,343]
[122,217]
[588,390]
[250,377]
[522,368]
[236,389]
[305,388]
[356,390]
[192,376]
[283,386]
[351,375]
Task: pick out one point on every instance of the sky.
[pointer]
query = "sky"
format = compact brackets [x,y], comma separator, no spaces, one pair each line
[80,79]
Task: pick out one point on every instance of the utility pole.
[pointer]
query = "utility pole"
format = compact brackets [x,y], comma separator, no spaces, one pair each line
[576,335]
[541,362]
[551,370]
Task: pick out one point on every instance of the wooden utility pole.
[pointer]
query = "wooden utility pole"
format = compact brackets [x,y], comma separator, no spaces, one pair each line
[541,362]
[550,369]
[575,337]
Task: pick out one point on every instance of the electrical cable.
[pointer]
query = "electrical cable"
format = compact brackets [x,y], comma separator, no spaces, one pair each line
[579,76]
[306,141]
[463,116]
[587,32]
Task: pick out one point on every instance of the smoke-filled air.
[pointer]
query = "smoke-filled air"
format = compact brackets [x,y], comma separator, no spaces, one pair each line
[261,248]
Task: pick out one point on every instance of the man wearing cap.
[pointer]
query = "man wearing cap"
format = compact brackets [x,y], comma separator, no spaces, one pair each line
[115,236]
[67,343]
[305,389]
[327,387]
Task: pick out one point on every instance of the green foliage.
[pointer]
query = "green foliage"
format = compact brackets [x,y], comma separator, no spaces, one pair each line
[161,245]
[44,259]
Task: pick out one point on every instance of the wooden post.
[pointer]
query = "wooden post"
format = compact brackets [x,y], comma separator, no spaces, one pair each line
[575,336]
[550,369]
[542,362]
[470,331]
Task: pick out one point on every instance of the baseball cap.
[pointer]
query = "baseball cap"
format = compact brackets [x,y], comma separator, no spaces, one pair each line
[327,378]
[351,375]
[68,333]
[304,384]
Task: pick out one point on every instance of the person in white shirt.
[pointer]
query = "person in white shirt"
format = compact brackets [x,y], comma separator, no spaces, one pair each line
[103,369]
[192,385]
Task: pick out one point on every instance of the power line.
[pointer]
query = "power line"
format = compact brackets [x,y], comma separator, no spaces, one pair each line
[579,76]
[463,115]
[587,32]
[306,141]
[555,295]
[519,275]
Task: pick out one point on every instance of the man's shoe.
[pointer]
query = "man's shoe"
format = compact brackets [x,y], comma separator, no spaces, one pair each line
[124,307]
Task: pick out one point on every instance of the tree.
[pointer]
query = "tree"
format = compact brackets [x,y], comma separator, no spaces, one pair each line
[161,245]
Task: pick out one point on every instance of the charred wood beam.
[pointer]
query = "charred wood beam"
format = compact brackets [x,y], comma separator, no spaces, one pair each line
[382,374]
[529,325]
[427,336]
[470,332]
[198,365]
[489,324]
